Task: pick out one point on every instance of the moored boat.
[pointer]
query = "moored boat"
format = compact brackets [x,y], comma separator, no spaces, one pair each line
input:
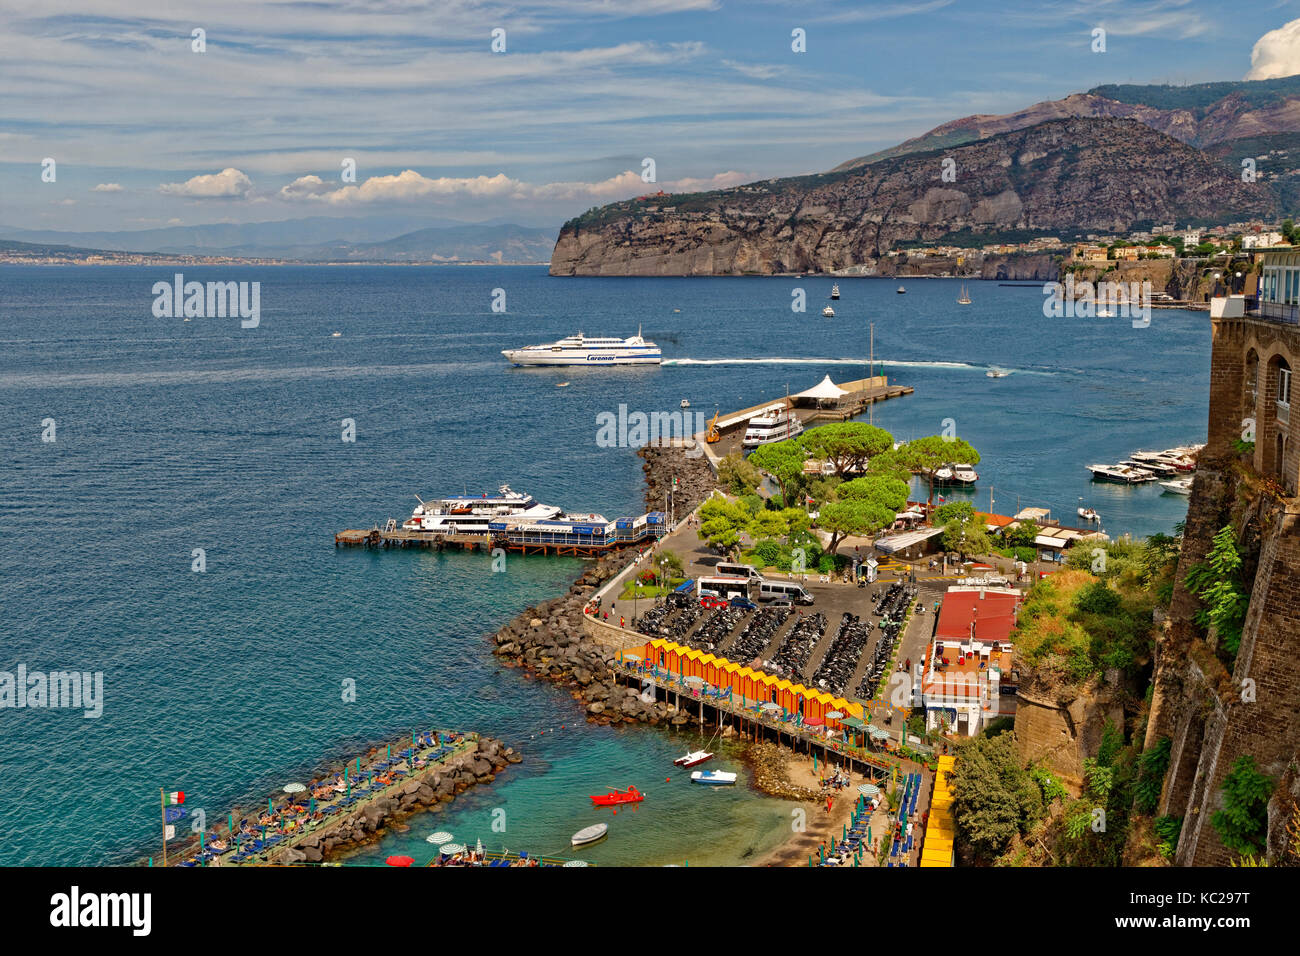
[1123,474]
[694,758]
[589,835]
[471,514]
[828,312]
[616,797]
[901,290]
[835,292]
[775,424]
[1179,486]
[1088,514]
[713,777]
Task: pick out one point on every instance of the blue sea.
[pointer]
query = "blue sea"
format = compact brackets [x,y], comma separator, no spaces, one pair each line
[174,436]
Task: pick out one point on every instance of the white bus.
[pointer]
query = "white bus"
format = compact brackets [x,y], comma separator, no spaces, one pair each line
[792,591]
[725,587]
[746,571]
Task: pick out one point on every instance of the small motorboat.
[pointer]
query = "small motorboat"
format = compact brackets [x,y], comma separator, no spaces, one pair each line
[588,835]
[828,312]
[616,797]
[1179,486]
[717,778]
[685,403]
[964,474]
[901,290]
[336,335]
[561,384]
[1088,514]
[997,373]
[694,758]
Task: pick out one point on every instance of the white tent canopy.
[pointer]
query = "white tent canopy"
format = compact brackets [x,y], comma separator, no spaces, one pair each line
[823,391]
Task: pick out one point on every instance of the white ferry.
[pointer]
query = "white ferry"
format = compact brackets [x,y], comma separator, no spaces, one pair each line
[584,350]
[772,424]
[470,514]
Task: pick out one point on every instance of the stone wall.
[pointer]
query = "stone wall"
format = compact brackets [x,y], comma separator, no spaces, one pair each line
[1060,727]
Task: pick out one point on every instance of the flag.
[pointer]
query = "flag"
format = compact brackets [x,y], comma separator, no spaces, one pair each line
[941,498]
[175,797]
[169,833]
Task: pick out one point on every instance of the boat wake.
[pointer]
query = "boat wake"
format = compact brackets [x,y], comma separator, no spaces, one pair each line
[859,363]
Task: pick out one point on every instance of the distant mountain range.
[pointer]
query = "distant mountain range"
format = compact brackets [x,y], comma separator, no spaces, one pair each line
[320,239]
[1108,160]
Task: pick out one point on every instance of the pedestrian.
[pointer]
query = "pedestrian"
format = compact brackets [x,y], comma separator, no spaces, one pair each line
[621,621]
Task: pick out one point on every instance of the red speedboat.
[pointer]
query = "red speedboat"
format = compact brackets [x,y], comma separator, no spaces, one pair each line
[615,797]
[694,758]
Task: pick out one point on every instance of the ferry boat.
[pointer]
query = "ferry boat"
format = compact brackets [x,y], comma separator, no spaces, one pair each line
[835,292]
[775,424]
[471,514]
[585,350]
[828,312]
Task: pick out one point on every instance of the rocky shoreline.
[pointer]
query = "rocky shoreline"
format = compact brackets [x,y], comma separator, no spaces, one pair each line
[426,790]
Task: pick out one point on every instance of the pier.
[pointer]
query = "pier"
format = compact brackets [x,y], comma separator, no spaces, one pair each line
[583,538]
[860,395]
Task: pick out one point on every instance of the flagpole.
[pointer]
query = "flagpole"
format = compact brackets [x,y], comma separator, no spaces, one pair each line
[162,807]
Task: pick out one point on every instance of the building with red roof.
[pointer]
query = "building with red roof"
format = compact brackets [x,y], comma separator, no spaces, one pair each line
[968,679]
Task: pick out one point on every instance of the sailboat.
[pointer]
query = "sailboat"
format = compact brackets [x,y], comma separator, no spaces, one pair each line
[964,298]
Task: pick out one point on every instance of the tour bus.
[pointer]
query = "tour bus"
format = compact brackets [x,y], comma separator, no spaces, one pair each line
[723,586]
[793,591]
[738,571]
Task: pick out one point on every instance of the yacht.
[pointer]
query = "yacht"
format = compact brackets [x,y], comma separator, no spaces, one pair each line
[828,312]
[835,292]
[1179,486]
[942,474]
[901,290]
[997,373]
[585,350]
[1125,474]
[685,403]
[1158,468]
[773,424]
[964,475]
[470,514]
[1179,459]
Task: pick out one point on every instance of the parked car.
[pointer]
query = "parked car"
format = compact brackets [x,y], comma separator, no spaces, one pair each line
[712,601]
[781,602]
[744,604]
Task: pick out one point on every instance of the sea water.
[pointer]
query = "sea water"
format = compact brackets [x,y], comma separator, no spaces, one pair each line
[176,535]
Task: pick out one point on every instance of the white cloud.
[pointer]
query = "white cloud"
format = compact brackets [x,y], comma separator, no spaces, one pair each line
[1276,53]
[107,188]
[229,183]
[409,185]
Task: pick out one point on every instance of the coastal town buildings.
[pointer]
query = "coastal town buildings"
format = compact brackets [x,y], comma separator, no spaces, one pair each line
[968,678]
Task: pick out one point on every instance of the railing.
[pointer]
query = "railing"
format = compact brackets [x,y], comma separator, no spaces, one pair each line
[1283,412]
[1272,311]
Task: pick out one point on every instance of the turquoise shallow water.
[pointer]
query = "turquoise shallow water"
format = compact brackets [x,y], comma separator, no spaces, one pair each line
[173,436]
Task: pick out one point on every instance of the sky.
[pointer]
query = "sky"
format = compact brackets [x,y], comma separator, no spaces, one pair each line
[145,130]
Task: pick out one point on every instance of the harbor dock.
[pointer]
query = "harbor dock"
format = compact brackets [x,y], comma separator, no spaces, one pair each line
[581,538]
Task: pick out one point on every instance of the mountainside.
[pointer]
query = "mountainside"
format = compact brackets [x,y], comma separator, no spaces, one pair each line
[1065,175]
[321,238]
[1202,115]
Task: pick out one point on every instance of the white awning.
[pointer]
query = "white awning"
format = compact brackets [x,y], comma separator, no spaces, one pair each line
[823,391]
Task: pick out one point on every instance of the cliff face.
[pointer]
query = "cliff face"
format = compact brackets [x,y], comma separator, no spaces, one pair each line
[1066,175]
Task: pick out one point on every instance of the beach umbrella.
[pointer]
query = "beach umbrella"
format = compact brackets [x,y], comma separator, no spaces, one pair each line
[441,837]
[451,848]
[575,863]
[294,788]
[399,861]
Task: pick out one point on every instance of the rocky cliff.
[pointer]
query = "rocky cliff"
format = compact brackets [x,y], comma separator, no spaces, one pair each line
[1061,176]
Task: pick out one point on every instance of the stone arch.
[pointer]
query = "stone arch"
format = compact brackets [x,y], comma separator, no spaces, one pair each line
[1274,424]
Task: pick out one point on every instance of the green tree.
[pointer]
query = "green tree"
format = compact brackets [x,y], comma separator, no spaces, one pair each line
[954,511]
[890,464]
[722,521]
[1022,535]
[994,798]
[737,475]
[863,506]
[846,445]
[1243,821]
[934,451]
[783,460]
[1216,581]
[967,537]
[770,524]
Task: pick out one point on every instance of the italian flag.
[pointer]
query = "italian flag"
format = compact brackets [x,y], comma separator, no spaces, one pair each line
[175,797]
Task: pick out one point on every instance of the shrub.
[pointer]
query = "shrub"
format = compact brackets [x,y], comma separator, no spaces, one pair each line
[1243,821]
